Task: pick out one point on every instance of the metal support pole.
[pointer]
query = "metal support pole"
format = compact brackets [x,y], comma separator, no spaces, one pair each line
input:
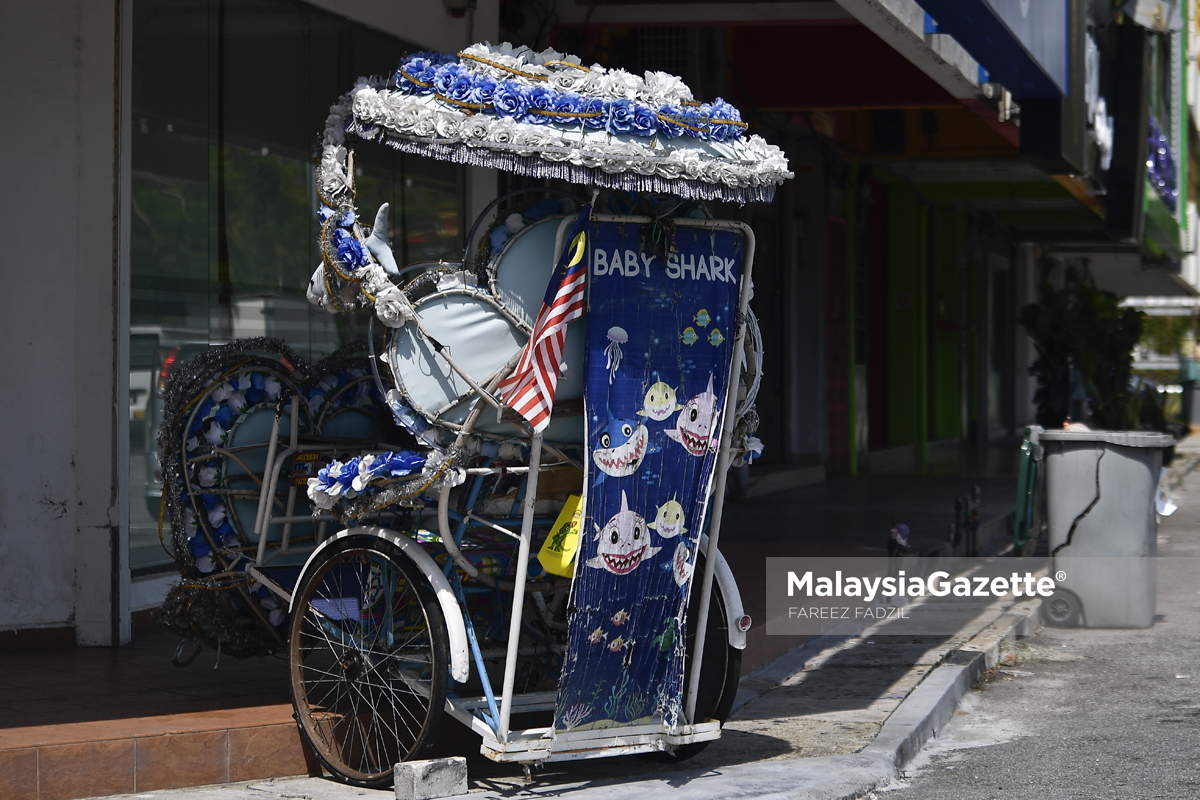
[714,526]
[514,627]
[263,496]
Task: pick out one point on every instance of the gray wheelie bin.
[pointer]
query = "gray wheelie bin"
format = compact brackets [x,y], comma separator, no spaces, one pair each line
[1100,491]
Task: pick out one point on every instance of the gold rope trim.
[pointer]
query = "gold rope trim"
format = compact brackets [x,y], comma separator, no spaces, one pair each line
[510,70]
[707,123]
[569,114]
[568,64]
[408,77]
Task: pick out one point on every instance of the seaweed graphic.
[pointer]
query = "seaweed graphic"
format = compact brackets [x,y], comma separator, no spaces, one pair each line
[634,705]
[614,700]
[575,715]
[599,687]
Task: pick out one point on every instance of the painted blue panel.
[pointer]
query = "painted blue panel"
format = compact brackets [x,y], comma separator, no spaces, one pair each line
[1021,43]
[660,335]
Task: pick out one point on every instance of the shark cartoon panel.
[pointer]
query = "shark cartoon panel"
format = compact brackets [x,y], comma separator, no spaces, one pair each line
[656,370]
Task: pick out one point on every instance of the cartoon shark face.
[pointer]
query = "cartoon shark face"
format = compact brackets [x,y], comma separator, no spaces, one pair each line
[695,429]
[659,402]
[623,542]
[620,447]
[669,522]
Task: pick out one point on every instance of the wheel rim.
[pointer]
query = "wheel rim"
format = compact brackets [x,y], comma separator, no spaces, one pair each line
[1060,609]
[364,675]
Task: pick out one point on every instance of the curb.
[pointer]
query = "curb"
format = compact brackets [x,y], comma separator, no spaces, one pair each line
[920,717]
[931,705]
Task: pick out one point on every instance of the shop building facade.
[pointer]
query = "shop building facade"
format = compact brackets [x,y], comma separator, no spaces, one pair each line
[167,154]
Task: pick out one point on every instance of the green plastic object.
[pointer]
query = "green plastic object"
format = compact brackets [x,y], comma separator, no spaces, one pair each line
[1026,487]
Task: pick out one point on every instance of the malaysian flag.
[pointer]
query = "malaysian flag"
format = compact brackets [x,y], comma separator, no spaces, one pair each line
[530,389]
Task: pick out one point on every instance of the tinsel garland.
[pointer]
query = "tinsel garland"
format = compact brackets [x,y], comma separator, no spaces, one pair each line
[502,158]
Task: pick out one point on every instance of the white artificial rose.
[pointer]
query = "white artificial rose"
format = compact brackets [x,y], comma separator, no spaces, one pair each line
[568,80]
[404,118]
[474,129]
[449,124]
[663,87]
[392,307]
[529,139]
[425,125]
[623,84]
[502,130]
[374,279]
[549,54]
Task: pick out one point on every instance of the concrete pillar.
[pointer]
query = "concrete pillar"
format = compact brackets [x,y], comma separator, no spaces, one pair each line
[64,336]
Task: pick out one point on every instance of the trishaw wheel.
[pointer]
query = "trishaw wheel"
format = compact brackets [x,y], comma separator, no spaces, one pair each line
[369,660]
[720,668]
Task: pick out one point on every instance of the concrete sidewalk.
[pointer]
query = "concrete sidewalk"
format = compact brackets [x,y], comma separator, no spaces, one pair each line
[834,718]
[77,722]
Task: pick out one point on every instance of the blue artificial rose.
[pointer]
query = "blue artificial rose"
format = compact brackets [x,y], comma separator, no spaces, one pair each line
[199,547]
[461,89]
[498,236]
[698,119]
[349,250]
[620,116]
[645,121]
[349,471]
[403,463]
[325,212]
[568,103]
[445,77]
[510,100]
[722,114]
[223,416]
[595,111]
[417,68]
[667,124]
[541,98]
[483,89]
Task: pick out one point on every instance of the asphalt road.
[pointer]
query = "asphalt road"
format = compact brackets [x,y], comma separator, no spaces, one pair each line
[1086,713]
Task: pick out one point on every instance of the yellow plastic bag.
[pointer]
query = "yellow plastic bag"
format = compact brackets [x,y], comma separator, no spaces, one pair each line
[557,555]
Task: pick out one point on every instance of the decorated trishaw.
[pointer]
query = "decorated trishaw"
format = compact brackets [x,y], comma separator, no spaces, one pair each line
[503,505]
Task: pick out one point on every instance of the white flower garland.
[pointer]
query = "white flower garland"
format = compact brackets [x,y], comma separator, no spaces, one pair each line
[566,73]
[378,113]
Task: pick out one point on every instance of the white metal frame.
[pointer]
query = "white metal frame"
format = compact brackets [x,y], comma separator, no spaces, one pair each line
[536,744]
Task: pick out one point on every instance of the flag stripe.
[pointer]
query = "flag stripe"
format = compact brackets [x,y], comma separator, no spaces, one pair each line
[530,389]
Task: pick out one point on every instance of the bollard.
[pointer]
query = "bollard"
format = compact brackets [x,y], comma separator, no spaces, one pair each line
[430,779]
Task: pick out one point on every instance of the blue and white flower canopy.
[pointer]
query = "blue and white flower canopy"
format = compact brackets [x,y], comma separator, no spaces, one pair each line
[543,115]
[546,115]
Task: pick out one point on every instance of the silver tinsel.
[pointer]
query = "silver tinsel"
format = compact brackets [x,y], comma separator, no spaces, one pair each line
[535,167]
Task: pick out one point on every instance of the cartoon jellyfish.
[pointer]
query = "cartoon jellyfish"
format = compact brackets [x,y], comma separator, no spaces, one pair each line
[616,338]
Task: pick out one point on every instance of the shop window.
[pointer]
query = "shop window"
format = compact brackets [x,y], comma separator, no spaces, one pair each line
[228,100]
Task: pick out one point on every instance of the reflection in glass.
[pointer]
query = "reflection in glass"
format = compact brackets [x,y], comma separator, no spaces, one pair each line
[227,103]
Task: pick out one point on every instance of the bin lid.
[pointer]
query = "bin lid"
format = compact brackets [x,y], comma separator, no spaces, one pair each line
[1123,438]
